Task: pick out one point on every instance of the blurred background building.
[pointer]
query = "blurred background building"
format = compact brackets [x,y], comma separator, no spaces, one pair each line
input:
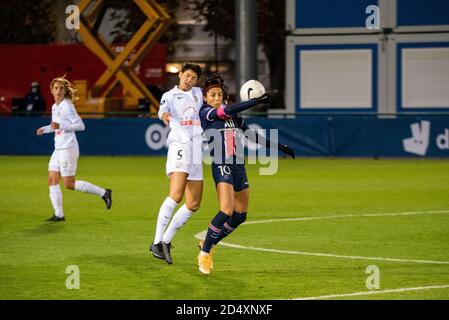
[354,77]
[30,53]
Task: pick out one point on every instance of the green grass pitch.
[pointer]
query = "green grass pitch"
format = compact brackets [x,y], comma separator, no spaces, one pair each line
[281,259]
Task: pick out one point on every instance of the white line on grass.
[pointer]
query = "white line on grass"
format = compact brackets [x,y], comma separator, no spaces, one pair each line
[367,215]
[366,293]
[201,235]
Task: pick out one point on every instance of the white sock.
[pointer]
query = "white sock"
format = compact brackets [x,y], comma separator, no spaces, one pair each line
[87,187]
[165,213]
[179,219]
[56,200]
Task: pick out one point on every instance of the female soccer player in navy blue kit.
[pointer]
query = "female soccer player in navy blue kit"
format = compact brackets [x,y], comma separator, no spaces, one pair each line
[228,168]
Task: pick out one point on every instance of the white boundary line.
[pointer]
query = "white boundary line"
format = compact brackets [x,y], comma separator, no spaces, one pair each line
[366,293]
[318,254]
[367,215]
[201,235]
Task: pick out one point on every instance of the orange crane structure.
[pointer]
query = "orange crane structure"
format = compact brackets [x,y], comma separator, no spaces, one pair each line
[119,68]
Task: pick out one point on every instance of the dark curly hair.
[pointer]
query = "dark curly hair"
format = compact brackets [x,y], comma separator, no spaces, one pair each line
[215,81]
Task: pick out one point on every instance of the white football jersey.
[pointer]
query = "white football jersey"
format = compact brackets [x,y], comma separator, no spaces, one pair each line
[65,114]
[184,107]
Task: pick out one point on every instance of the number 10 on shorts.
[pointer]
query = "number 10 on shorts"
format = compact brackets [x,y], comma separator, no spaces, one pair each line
[224,170]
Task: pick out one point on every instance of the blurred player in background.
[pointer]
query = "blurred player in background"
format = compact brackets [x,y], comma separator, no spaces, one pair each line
[180,110]
[34,101]
[65,121]
[228,168]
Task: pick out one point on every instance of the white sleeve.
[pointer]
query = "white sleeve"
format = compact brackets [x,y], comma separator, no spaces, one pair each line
[164,106]
[73,122]
[68,126]
[200,94]
[47,129]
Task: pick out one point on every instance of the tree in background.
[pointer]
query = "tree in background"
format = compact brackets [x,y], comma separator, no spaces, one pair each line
[126,25]
[219,16]
[34,21]
[27,21]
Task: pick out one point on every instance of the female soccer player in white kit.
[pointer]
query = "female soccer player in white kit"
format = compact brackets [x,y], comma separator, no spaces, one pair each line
[180,109]
[65,121]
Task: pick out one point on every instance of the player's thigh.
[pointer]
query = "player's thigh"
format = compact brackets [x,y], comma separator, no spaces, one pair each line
[241,201]
[68,163]
[194,194]
[178,182]
[225,193]
[178,156]
[195,172]
[222,174]
[53,165]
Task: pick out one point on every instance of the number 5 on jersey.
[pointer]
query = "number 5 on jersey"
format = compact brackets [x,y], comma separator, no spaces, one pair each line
[179,154]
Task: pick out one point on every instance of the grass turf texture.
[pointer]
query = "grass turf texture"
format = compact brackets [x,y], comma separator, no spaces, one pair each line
[111,247]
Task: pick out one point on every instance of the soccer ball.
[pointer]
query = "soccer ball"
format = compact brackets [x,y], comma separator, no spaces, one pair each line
[251,89]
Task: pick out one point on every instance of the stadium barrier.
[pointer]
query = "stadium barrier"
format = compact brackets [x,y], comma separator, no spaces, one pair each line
[336,135]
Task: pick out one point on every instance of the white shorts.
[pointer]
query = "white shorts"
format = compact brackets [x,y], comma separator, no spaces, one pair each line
[185,157]
[64,161]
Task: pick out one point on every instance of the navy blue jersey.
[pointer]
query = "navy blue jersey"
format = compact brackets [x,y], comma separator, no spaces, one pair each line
[229,130]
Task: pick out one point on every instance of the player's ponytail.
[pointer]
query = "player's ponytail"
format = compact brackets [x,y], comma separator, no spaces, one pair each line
[70,91]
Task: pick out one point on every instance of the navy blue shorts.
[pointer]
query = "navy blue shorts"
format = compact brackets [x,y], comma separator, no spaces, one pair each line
[233,174]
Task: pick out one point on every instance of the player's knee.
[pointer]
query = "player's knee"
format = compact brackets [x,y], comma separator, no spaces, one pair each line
[239,217]
[176,197]
[193,206]
[52,180]
[70,185]
[226,210]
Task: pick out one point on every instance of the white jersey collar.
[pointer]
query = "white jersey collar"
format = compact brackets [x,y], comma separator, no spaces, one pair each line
[64,101]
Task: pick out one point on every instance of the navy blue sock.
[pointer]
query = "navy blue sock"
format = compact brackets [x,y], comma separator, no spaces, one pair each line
[230,225]
[214,230]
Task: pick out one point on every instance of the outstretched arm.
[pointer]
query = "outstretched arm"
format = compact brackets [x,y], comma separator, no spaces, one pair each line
[242,106]
[44,130]
[259,139]
[229,110]
[71,126]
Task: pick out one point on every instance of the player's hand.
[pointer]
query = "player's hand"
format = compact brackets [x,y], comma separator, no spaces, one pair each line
[40,131]
[267,98]
[287,150]
[54,125]
[166,117]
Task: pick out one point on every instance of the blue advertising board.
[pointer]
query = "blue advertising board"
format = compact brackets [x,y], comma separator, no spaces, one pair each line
[340,136]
